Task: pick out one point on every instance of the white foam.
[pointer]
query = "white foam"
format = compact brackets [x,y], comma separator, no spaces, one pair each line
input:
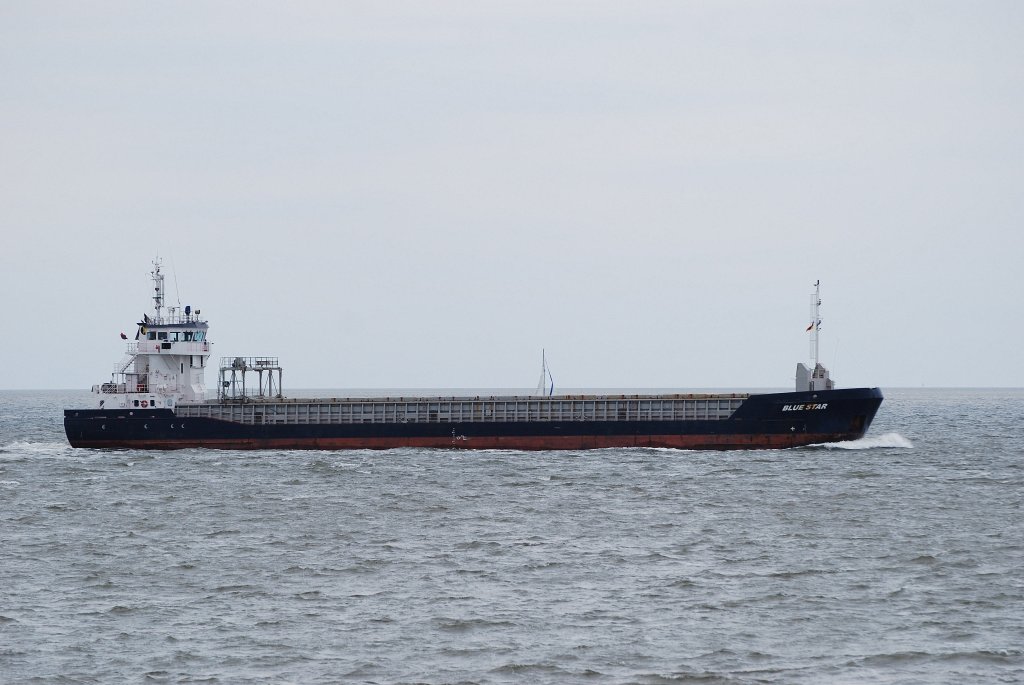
[886,440]
[23,448]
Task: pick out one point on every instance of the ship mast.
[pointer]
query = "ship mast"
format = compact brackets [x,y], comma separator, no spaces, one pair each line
[158,288]
[816,377]
[815,327]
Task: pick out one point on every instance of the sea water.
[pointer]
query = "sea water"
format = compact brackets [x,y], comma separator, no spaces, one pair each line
[893,559]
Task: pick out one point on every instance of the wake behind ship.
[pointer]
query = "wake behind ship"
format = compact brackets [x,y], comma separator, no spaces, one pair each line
[156,399]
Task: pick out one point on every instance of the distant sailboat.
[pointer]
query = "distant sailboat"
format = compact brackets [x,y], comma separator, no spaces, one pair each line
[546,385]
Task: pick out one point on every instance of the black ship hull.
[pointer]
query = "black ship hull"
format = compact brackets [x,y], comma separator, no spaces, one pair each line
[775,420]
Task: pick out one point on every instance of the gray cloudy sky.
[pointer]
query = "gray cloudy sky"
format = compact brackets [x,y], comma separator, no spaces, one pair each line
[425,194]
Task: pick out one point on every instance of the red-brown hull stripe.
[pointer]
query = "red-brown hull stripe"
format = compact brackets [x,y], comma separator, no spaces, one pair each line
[689,442]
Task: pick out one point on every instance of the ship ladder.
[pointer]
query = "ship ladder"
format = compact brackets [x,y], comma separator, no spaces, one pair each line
[126,362]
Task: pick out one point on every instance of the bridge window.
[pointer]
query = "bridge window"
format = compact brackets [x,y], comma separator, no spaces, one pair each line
[162,335]
[151,335]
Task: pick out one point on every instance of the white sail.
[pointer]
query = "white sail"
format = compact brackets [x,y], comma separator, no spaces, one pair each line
[546,384]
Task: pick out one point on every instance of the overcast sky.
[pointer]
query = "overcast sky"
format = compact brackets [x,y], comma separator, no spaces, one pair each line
[423,195]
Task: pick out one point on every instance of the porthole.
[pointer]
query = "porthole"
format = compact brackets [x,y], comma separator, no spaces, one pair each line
[104,427]
[146,426]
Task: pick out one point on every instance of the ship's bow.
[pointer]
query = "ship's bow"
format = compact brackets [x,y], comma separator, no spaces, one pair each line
[812,417]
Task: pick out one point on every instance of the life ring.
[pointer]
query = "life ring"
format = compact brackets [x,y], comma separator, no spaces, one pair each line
[145,403]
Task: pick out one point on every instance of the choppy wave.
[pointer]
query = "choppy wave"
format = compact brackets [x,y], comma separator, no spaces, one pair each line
[781,568]
[870,442]
[19,449]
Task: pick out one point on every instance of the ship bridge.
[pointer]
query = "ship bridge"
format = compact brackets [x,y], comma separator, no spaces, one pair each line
[166,361]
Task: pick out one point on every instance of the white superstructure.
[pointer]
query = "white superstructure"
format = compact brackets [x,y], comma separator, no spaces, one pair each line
[166,362]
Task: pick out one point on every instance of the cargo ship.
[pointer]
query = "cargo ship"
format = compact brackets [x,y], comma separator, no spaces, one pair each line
[157,399]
